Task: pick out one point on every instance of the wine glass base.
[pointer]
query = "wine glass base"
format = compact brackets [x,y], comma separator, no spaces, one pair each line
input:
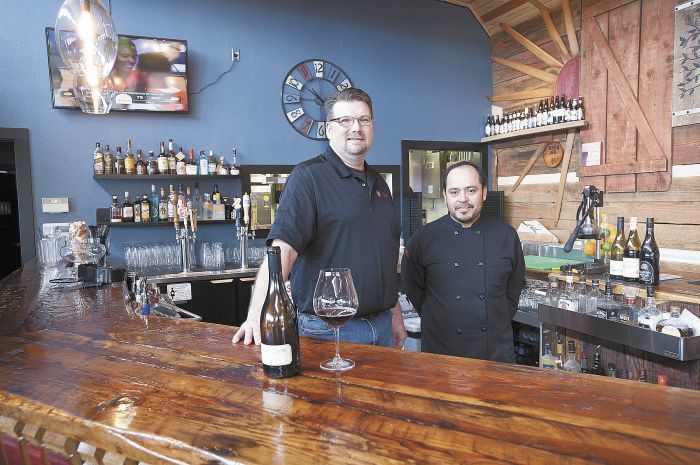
[337,365]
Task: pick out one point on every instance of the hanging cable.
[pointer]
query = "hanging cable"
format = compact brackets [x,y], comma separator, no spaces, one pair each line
[230,68]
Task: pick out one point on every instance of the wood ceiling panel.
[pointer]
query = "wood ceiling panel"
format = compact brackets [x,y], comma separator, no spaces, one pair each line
[512,12]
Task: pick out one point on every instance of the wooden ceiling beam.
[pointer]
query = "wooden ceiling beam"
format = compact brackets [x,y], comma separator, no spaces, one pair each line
[552,30]
[501,10]
[548,59]
[527,69]
[570,30]
[541,92]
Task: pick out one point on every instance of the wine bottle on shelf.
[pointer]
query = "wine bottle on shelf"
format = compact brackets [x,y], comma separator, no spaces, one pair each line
[580,115]
[109,161]
[617,251]
[279,336]
[549,112]
[162,160]
[487,128]
[630,260]
[129,160]
[557,110]
[172,159]
[98,161]
[141,167]
[119,167]
[649,257]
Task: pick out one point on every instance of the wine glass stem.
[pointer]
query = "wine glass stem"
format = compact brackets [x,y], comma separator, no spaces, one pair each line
[337,343]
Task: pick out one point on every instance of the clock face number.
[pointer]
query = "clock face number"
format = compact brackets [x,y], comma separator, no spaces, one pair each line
[294,82]
[295,114]
[304,90]
[346,84]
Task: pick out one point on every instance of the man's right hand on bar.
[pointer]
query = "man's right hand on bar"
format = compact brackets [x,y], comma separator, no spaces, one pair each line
[249,332]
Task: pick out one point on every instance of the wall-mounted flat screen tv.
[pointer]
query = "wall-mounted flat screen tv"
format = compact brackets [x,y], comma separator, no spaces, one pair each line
[150,74]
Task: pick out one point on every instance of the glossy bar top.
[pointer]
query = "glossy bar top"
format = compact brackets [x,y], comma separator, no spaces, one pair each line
[177,391]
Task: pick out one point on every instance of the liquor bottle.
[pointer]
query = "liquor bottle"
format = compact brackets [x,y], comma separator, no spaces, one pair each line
[108,161]
[552,296]
[617,252]
[650,315]
[629,312]
[162,206]
[129,160]
[211,163]
[562,110]
[674,325]
[197,198]
[279,336]
[568,299]
[141,167]
[583,290]
[556,117]
[162,160]
[236,169]
[115,211]
[538,115]
[171,204]
[568,111]
[487,128]
[180,163]
[574,113]
[649,257]
[152,166]
[612,372]
[559,361]
[607,307]
[203,163]
[119,167]
[597,367]
[127,210]
[146,209]
[571,363]
[191,168]
[172,160]
[547,360]
[593,297]
[497,125]
[549,111]
[222,167]
[630,259]
[155,203]
[98,161]
[584,362]
[580,115]
[207,208]
[137,209]
[216,195]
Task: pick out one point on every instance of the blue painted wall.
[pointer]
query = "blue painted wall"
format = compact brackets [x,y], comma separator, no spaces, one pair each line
[425,63]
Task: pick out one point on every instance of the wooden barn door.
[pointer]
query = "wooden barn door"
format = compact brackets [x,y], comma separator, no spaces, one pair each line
[627,78]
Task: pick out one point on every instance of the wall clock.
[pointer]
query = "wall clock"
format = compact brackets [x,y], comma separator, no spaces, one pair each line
[304,89]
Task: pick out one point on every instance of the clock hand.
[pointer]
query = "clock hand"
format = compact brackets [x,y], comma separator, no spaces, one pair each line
[316,94]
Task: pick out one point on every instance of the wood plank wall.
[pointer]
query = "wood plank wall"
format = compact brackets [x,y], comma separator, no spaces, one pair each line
[676,211]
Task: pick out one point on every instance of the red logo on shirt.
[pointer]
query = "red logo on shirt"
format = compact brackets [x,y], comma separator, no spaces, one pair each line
[381,194]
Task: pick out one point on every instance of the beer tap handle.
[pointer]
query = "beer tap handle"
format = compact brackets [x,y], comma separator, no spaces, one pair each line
[176,220]
[246,209]
[184,220]
[193,219]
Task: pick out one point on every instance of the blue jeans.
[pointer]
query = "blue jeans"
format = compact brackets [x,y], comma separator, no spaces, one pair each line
[374,329]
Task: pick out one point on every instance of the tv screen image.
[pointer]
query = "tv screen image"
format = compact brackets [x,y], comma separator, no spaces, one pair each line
[149,74]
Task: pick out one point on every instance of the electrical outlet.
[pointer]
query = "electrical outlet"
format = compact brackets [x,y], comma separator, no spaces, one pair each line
[235,54]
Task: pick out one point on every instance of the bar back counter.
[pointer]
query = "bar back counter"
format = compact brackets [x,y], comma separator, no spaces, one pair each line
[84,381]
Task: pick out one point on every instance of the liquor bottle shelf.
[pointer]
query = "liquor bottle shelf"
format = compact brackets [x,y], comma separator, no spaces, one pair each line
[146,177]
[163,223]
[677,348]
[534,131]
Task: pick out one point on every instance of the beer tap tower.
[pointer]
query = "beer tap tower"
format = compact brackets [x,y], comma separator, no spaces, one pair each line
[242,231]
[185,237]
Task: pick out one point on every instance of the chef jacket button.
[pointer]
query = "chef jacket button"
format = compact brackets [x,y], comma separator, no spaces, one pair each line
[478,232]
[456,263]
[459,331]
[456,233]
[481,296]
[483,329]
[364,185]
[458,297]
[480,263]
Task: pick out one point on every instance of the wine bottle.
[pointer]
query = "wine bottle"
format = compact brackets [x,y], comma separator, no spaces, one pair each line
[649,257]
[618,250]
[630,260]
[279,336]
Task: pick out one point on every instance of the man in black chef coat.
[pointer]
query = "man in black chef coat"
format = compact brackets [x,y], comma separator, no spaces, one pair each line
[463,273]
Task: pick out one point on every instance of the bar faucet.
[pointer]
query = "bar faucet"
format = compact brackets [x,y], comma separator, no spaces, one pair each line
[185,237]
[242,232]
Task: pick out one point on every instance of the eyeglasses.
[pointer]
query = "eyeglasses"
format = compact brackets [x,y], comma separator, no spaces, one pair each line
[348,121]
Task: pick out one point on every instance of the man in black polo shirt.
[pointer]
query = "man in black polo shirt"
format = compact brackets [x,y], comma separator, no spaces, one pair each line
[463,273]
[336,211]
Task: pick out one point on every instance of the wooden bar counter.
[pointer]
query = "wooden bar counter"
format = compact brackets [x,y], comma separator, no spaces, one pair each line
[75,365]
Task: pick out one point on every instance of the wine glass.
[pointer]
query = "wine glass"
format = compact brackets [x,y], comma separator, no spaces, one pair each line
[335,302]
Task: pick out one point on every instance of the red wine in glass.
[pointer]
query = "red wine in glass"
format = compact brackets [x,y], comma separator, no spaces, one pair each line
[336,316]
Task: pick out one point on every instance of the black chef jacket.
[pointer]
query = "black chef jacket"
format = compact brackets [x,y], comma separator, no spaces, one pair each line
[465,283]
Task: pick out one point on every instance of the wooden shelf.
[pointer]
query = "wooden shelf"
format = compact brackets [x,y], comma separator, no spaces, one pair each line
[165,223]
[146,177]
[534,131]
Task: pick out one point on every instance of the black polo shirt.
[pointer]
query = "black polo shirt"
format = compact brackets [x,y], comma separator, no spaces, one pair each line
[333,217]
[465,283]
